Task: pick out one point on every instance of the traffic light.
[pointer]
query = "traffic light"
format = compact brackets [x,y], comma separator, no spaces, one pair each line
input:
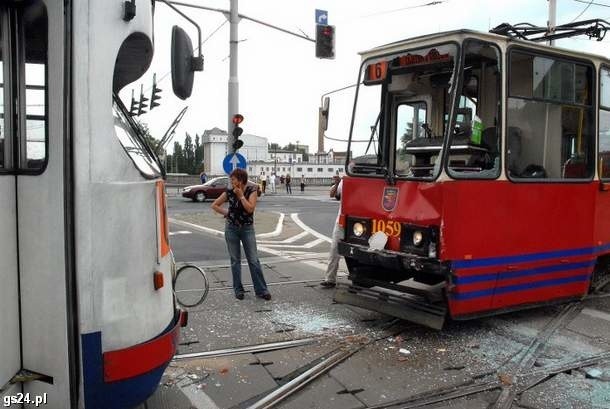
[143,100]
[325,41]
[237,131]
[133,110]
[154,97]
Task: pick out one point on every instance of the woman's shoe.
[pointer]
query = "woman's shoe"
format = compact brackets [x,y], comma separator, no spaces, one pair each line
[328,284]
[265,296]
[239,296]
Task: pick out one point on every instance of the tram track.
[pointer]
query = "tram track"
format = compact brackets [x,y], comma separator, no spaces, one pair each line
[513,377]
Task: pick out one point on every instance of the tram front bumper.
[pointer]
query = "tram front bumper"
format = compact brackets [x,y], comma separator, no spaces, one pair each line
[389,259]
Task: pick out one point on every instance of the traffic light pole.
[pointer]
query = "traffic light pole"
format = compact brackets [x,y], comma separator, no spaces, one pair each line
[233,76]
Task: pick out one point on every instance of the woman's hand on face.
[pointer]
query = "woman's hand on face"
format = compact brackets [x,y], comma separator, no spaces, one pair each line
[238,192]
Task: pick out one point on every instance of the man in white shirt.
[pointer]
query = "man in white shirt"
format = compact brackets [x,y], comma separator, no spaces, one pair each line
[338,232]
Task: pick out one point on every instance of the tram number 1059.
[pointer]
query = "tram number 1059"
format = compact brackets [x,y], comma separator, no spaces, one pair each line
[389,227]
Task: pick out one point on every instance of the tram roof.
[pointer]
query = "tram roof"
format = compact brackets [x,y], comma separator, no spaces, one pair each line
[397,46]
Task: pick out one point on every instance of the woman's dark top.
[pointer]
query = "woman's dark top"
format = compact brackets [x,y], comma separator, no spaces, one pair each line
[237,215]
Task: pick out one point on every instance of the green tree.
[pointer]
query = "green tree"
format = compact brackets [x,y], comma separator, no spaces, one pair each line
[150,140]
[198,155]
[189,154]
[178,158]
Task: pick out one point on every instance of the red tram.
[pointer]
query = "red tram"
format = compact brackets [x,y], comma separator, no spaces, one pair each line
[484,161]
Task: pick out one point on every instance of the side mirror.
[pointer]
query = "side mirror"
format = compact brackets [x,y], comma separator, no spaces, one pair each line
[183,63]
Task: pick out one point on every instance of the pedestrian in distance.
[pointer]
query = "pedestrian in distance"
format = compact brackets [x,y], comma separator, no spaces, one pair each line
[272,182]
[330,281]
[302,183]
[239,228]
[263,182]
[203,177]
[288,186]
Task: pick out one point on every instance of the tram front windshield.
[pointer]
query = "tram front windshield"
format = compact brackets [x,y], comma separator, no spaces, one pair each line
[401,113]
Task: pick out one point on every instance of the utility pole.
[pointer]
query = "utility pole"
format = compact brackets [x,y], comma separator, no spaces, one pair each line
[233,77]
[552,23]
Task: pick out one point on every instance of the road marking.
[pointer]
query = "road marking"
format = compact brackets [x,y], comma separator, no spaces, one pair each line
[286,241]
[296,246]
[287,257]
[175,233]
[197,227]
[295,218]
[278,228]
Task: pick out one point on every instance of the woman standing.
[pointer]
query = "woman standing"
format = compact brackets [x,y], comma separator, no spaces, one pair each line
[239,227]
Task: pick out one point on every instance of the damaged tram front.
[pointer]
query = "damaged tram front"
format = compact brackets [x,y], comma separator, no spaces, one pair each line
[485,185]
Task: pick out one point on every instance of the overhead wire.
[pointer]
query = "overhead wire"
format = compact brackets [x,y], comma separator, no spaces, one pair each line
[195,50]
[582,12]
[432,3]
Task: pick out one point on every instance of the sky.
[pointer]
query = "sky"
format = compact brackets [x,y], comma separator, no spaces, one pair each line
[280,80]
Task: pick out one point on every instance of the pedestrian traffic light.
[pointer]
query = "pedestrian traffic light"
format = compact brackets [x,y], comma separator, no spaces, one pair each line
[133,110]
[154,97]
[143,100]
[237,131]
[325,41]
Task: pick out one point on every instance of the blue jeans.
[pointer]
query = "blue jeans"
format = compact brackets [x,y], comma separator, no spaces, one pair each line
[246,235]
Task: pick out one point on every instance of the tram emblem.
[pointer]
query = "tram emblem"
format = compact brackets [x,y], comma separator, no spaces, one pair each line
[390,198]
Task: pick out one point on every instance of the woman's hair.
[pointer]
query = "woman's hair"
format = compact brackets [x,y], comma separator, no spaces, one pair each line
[240,174]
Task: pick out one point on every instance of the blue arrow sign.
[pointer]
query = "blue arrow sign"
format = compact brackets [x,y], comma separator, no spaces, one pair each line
[321,17]
[234,161]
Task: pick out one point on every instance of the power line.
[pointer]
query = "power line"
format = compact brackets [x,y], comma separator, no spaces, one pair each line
[582,12]
[197,48]
[432,3]
[595,4]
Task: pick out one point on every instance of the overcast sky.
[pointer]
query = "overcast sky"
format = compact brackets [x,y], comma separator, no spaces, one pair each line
[281,81]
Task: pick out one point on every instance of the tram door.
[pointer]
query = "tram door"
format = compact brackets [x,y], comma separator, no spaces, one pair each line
[34,297]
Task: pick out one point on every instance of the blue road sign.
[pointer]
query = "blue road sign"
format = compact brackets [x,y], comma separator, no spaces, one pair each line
[321,17]
[233,161]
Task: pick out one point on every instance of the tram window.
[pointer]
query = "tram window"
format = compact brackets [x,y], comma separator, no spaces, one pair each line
[550,119]
[474,151]
[411,125]
[604,124]
[34,140]
[132,142]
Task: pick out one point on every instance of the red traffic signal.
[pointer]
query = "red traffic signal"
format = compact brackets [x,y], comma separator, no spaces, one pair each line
[325,41]
[237,119]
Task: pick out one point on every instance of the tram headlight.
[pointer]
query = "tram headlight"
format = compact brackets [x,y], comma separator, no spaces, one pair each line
[358,229]
[418,238]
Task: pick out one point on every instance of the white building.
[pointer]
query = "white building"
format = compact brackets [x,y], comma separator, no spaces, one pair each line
[296,169]
[286,156]
[215,149]
[214,143]
[255,148]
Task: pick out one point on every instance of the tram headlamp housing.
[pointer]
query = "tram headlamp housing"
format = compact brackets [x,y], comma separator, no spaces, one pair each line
[418,238]
[358,229]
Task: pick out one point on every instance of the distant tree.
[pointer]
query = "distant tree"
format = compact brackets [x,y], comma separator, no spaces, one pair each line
[178,158]
[151,141]
[198,155]
[274,147]
[189,155]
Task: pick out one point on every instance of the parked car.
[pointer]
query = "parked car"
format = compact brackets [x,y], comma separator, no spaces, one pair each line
[211,189]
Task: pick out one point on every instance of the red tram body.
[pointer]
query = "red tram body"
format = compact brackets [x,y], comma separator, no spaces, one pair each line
[501,223]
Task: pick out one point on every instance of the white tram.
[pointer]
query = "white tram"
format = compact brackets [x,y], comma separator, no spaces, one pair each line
[87,311]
